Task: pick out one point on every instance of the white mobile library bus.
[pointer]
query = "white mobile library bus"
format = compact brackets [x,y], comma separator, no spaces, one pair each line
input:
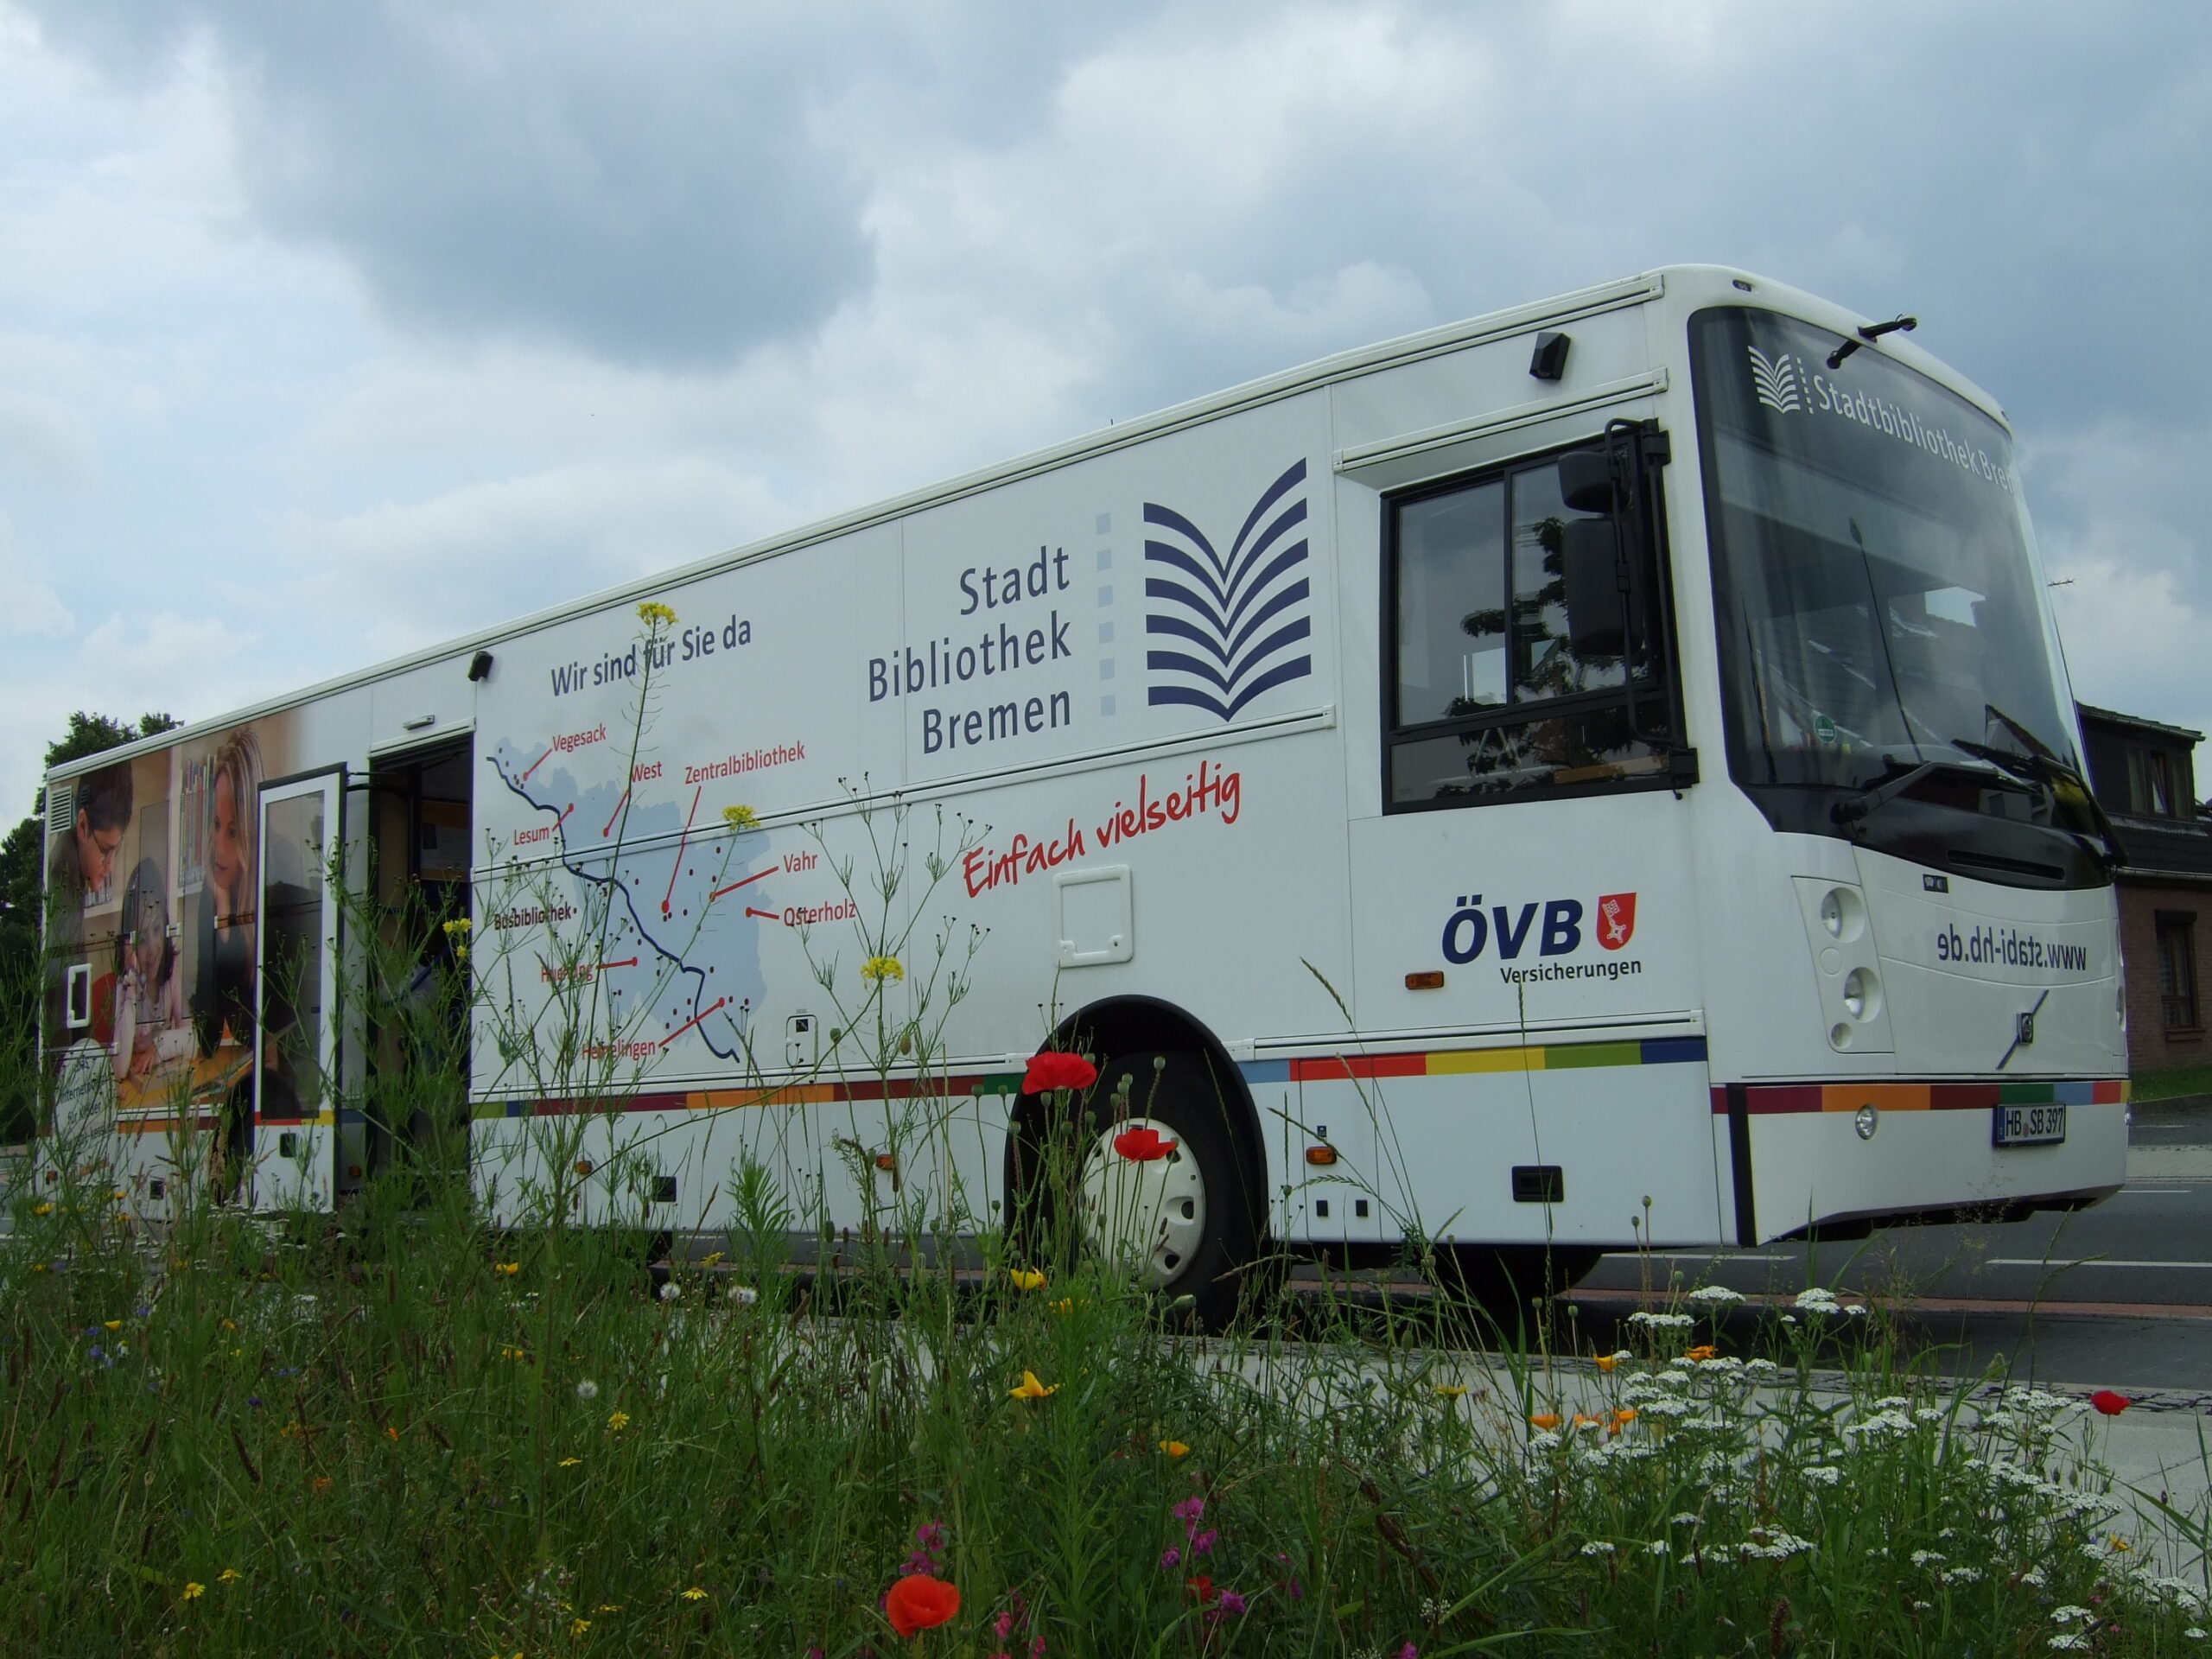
[1599,773]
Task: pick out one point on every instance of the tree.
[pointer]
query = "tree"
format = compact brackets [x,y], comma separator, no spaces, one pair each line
[22,864]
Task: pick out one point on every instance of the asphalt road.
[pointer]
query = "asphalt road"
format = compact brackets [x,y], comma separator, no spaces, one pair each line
[2118,1295]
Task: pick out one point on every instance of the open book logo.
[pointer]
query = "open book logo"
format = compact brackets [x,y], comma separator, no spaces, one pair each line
[1776,381]
[1231,623]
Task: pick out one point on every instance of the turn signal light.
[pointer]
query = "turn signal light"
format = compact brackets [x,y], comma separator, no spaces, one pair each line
[1321,1156]
[1430,980]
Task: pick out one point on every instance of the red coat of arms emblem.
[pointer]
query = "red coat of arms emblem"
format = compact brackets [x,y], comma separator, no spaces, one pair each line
[1616,919]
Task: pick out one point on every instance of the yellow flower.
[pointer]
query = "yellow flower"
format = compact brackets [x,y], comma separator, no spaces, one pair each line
[880,968]
[194,1590]
[46,1209]
[1545,1420]
[1066,1304]
[1451,1390]
[112,1324]
[1174,1448]
[2118,1543]
[695,1593]
[230,1324]
[1606,1362]
[1703,1351]
[513,1353]
[509,1268]
[460,928]
[570,1462]
[653,611]
[578,1626]
[1027,1279]
[229,1575]
[710,1258]
[617,1421]
[608,1607]
[118,1195]
[390,1433]
[741,818]
[1031,1388]
[1622,1419]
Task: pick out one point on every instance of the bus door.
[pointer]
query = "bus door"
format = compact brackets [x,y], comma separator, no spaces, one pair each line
[294,1089]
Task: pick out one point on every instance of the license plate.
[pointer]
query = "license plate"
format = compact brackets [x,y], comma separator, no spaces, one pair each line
[2030,1125]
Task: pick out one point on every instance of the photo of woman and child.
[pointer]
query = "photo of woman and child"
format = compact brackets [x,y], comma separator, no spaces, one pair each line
[150,1030]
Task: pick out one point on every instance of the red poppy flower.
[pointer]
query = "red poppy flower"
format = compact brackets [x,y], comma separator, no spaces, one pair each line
[1142,1145]
[1201,1587]
[920,1602]
[2110,1403]
[1049,1070]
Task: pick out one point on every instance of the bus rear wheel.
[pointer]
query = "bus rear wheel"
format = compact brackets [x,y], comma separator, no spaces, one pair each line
[1164,1193]
[1510,1284]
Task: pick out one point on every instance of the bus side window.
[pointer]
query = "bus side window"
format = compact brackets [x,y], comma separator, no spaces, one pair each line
[1522,656]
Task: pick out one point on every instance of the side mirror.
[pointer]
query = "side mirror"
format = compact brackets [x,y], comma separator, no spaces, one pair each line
[1586,481]
[1590,562]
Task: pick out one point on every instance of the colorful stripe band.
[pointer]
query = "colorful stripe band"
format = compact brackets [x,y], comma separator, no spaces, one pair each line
[1765,1098]
[1461,1062]
[1330,1068]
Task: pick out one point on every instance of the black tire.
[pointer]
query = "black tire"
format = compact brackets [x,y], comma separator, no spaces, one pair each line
[1222,1268]
[1509,1285]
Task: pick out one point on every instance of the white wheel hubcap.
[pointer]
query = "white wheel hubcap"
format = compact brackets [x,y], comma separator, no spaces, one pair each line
[1149,1214]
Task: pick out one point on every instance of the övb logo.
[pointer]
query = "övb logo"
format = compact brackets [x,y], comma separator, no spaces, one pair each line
[1470,929]
[1616,919]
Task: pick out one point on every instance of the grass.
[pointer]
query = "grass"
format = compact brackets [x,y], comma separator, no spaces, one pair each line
[412,1437]
[2167,1085]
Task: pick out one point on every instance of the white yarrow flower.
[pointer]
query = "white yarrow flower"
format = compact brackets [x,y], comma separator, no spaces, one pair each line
[1717,1294]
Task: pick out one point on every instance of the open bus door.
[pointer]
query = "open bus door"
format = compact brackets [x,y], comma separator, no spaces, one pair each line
[294,1083]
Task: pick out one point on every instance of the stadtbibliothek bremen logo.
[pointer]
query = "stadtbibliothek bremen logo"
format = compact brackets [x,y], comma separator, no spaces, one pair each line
[1236,616]
[1783,383]
[1778,380]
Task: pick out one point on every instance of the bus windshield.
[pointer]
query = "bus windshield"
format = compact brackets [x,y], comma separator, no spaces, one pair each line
[1874,588]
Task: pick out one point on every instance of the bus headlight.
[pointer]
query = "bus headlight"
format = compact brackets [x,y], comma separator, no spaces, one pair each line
[1843,912]
[1862,995]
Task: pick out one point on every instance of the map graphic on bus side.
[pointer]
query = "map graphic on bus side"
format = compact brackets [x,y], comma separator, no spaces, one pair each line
[656,947]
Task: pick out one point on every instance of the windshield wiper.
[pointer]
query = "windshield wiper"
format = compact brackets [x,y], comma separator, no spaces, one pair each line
[2038,764]
[1880,795]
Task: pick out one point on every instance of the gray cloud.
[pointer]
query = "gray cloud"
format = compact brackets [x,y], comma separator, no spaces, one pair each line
[667,186]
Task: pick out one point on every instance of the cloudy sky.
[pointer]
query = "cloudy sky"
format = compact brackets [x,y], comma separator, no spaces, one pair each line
[330,331]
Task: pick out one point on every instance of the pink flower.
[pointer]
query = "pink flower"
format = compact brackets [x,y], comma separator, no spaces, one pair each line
[1051,1070]
[1189,1509]
[1231,1602]
[1170,1560]
[1205,1541]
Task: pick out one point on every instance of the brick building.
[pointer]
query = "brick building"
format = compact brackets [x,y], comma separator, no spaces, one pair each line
[2143,775]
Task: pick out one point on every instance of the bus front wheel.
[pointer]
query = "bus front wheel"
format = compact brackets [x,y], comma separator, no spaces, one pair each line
[1162,1190]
